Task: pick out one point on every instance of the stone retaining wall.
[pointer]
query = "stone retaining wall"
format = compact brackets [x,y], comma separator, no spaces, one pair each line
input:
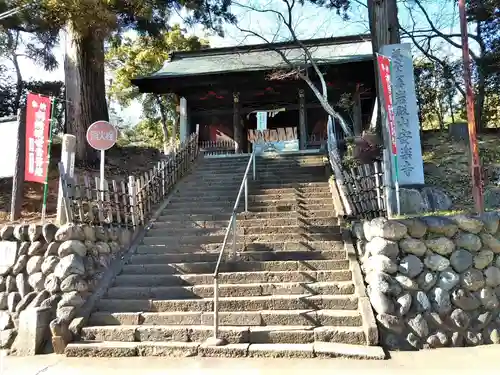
[51,269]
[433,281]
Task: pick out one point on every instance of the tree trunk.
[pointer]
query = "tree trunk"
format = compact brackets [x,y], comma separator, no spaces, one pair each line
[19,83]
[450,103]
[85,89]
[384,29]
[12,44]
[440,114]
[164,125]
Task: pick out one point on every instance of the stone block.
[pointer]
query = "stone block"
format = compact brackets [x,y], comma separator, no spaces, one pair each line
[33,331]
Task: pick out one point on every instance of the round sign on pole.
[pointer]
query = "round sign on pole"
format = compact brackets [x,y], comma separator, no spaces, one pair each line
[101,135]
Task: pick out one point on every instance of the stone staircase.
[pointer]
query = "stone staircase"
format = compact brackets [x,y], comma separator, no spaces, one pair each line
[289,291]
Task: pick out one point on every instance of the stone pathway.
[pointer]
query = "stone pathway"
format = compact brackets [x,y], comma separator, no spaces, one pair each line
[476,360]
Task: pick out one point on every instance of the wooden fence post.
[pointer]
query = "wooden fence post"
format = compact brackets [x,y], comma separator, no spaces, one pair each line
[132,192]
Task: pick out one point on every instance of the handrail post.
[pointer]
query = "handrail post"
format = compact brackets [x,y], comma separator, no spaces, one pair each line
[246,194]
[216,307]
[253,165]
[234,236]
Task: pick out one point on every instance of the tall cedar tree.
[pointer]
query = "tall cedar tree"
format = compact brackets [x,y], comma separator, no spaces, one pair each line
[88,24]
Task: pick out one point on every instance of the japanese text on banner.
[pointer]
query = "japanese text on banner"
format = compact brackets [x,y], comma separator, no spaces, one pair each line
[385,73]
[37,137]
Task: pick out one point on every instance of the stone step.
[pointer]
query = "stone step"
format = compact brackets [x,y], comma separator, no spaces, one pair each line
[289,199]
[217,206]
[207,267]
[222,224]
[263,172]
[278,302]
[305,276]
[196,186]
[232,191]
[250,238]
[230,290]
[252,198]
[233,334]
[291,206]
[291,228]
[264,164]
[271,229]
[204,209]
[250,255]
[350,318]
[162,248]
[241,216]
[189,349]
[297,190]
[283,214]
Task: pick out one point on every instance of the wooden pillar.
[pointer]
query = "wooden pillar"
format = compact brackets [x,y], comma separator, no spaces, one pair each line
[184,131]
[175,126]
[357,112]
[302,121]
[237,128]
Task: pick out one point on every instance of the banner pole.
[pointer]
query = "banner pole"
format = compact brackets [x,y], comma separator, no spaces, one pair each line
[46,183]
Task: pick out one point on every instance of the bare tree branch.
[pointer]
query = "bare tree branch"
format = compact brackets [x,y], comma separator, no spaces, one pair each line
[297,69]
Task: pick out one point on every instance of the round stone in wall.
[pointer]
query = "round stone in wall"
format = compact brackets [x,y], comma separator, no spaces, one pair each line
[483,259]
[416,227]
[422,302]
[492,276]
[465,300]
[473,280]
[381,246]
[406,282]
[436,262]
[380,302]
[427,280]
[388,229]
[419,325]
[488,298]
[490,242]
[468,224]
[440,300]
[468,241]
[441,245]
[380,263]
[440,225]
[411,266]
[413,246]
[460,319]
[448,279]
[403,303]
[461,260]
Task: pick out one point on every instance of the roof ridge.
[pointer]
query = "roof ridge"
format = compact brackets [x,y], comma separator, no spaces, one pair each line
[346,39]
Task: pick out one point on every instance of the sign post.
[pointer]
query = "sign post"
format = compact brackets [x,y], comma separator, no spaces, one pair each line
[46,183]
[101,136]
[385,72]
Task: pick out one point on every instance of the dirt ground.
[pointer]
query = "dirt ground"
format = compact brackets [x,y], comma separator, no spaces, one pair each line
[446,164]
[120,163]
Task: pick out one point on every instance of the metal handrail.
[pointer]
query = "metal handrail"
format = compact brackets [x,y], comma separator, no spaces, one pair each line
[231,226]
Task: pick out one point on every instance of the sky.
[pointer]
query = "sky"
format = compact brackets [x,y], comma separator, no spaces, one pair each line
[310,22]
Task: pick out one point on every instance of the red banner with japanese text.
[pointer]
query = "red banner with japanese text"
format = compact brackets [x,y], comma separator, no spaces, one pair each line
[37,137]
[384,64]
